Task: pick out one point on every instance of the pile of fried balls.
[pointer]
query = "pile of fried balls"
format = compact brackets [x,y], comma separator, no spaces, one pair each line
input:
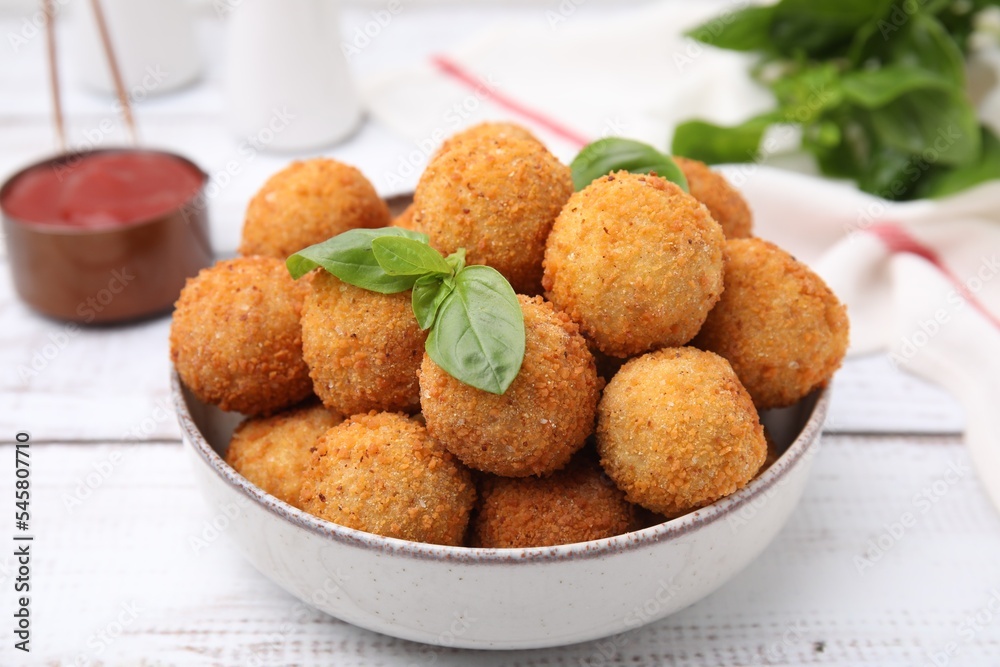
[656,327]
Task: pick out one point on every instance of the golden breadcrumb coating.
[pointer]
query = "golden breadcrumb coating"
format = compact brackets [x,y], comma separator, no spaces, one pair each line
[636,261]
[676,431]
[363,348]
[721,199]
[480,132]
[497,198]
[486,132]
[273,452]
[382,473]
[543,418]
[576,504]
[235,339]
[308,202]
[778,324]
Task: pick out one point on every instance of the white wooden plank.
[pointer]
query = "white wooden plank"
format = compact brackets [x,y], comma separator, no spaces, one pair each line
[61,382]
[803,602]
[872,395]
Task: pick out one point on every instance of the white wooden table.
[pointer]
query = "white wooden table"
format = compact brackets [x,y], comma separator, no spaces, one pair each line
[127,570]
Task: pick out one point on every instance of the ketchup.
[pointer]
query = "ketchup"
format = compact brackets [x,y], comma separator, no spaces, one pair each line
[103,189]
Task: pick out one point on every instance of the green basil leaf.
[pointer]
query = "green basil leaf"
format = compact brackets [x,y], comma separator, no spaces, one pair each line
[748,29]
[820,28]
[400,256]
[848,156]
[866,41]
[714,144]
[872,89]
[808,93]
[614,153]
[958,18]
[941,182]
[877,87]
[918,40]
[836,161]
[923,42]
[349,256]
[429,292]
[888,174]
[924,120]
[478,335]
[456,260]
[935,6]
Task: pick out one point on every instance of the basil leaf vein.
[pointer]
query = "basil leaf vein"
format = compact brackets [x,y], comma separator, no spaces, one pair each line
[478,334]
[401,256]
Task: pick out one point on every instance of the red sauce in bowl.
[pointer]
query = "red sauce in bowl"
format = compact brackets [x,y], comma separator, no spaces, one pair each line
[102,190]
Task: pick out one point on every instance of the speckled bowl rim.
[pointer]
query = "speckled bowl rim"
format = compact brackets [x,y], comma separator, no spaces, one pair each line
[806,440]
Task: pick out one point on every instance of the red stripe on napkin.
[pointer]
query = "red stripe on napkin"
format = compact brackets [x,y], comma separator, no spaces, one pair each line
[462,75]
[898,240]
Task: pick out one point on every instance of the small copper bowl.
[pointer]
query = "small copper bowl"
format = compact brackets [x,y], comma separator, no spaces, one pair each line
[112,274]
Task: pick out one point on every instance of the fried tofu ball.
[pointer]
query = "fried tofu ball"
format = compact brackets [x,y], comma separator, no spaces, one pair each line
[676,431]
[363,348]
[497,198]
[308,202]
[721,199]
[576,504]
[636,261]
[778,324]
[273,452]
[235,339]
[543,418]
[382,473]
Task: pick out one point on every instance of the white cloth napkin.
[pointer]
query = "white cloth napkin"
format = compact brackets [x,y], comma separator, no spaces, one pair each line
[920,279]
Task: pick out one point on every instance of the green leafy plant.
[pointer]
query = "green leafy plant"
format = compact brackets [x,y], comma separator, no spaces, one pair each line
[604,156]
[877,88]
[475,323]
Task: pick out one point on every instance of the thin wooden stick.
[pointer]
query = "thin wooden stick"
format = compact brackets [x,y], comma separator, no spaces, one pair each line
[116,74]
[48,11]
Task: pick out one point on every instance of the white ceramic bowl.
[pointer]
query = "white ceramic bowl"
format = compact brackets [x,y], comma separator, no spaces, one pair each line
[501,598]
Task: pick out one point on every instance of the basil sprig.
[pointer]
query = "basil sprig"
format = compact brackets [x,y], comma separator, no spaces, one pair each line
[475,323]
[878,93]
[604,156]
